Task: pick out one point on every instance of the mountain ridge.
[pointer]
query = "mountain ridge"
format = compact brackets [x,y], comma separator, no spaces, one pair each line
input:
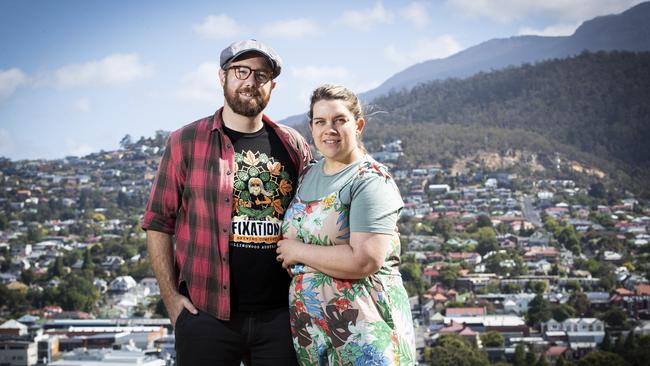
[594,103]
[626,31]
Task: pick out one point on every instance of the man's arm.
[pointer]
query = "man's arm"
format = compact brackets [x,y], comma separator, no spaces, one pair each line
[161,253]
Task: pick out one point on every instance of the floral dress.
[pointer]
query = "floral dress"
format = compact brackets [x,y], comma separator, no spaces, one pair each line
[348,322]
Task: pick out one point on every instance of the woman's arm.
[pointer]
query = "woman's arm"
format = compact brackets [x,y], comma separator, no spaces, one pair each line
[362,257]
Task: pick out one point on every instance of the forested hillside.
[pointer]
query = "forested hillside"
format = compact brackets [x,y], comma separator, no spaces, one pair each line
[593,107]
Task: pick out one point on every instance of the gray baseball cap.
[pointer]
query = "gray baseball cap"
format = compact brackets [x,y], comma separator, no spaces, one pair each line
[238,48]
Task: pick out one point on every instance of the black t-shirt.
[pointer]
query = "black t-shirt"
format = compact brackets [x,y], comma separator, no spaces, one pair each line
[264,184]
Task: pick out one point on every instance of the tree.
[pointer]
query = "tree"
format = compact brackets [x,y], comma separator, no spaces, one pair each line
[641,353]
[614,317]
[539,311]
[619,346]
[449,275]
[538,287]
[160,137]
[126,142]
[561,361]
[630,343]
[88,264]
[600,358]
[483,221]
[580,303]
[520,355]
[56,268]
[34,233]
[452,350]
[487,240]
[597,190]
[4,222]
[530,357]
[27,276]
[562,312]
[492,339]
[569,239]
[542,361]
[443,227]
[511,288]
[572,286]
[606,344]
[77,293]
[412,277]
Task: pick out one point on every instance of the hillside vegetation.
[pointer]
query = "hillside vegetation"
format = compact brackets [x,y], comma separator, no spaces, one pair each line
[592,108]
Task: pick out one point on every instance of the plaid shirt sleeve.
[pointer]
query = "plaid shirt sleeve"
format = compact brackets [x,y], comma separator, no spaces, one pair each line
[166,192]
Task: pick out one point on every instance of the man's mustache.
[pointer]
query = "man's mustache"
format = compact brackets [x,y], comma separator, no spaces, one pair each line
[249,90]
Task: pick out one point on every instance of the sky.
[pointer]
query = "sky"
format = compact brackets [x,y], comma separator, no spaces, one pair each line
[78,75]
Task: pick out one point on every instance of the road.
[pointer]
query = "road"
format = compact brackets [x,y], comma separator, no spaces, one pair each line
[530,213]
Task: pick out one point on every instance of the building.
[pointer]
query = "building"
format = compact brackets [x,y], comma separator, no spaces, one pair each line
[581,333]
[122,284]
[13,328]
[17,351]
[108,357]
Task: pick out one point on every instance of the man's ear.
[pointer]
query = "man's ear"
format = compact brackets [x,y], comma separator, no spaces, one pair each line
[273,84]
[222,77]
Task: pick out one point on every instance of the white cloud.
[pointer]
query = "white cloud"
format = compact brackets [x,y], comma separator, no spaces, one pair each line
[82,105]
[218,27]
[294,28]
[113,69]
[416,13]
[6,143]
[322,74]
[423,50]
[366,19]
[76,148]
[568,10]
[307,78]
[202,84]
[551,31]
[10,80]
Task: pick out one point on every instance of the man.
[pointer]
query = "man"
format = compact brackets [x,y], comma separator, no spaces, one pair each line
[225,293]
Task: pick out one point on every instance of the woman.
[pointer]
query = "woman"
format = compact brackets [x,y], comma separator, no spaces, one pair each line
[348,305]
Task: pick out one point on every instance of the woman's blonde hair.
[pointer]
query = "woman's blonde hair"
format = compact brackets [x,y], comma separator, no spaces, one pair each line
[338,92]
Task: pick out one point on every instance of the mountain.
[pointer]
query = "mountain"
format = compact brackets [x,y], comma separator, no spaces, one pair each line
[628,31]
[592,107]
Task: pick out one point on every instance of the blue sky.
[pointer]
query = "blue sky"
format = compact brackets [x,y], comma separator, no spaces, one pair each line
[78,75]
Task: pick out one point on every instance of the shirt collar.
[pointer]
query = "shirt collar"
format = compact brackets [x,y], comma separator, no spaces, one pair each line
[217,120]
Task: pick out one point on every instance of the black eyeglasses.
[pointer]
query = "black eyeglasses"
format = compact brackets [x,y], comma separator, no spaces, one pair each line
[243,72]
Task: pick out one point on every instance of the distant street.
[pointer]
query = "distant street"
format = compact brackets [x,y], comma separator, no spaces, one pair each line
[530,213]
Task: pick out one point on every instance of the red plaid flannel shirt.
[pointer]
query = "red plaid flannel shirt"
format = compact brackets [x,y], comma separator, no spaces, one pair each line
[191,198]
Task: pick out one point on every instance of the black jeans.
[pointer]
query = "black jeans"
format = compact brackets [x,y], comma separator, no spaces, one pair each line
[257,338]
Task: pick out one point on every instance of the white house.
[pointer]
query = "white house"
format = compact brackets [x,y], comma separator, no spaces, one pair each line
[578,330]
[122,284]
[18,352]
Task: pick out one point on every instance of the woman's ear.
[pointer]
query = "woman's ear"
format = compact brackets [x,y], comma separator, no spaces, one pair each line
[361,123]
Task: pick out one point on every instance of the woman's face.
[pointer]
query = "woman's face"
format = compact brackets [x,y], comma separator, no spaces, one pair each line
[334,130]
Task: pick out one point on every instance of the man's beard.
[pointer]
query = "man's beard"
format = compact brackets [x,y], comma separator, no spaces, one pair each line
[249,108]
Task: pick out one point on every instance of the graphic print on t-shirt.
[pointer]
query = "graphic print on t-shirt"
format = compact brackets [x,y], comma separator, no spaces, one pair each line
[262,191]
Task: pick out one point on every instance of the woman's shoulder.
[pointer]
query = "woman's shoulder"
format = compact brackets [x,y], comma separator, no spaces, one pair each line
[369,167]
[310,168]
